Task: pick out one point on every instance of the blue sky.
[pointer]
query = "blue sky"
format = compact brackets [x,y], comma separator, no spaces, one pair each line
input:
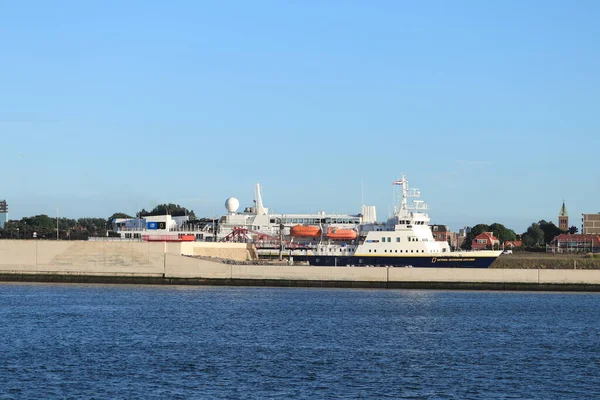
[491,108]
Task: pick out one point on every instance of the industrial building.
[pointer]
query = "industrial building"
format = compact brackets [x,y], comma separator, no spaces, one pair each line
[3,213]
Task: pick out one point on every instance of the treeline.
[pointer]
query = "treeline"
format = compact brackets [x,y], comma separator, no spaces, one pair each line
[537,236]
[45,227]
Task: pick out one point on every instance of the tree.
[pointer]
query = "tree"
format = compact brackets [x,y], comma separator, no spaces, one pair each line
[534,236]
[573,230]
[174,210]
[118,215]
[502,233]
[550,230]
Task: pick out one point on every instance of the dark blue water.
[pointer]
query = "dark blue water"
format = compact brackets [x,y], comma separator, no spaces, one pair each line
[141,342]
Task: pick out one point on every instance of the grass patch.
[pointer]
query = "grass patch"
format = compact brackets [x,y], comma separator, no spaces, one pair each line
[527,260]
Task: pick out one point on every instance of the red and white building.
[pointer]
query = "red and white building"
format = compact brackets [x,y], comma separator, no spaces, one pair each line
[485,240]
[565,243]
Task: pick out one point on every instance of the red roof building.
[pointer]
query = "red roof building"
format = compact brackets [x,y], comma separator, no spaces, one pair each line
[485,240]
[565,242]
[509,244]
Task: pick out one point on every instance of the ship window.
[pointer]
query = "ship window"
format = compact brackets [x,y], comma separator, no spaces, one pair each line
[375,251]
[369,250]
[411,251]
[385,251]
[397,240]
[396,251]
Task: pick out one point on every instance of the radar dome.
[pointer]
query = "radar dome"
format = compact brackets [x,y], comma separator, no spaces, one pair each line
[232,204]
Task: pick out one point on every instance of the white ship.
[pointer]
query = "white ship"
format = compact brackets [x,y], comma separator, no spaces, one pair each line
[255,224]
[405,240]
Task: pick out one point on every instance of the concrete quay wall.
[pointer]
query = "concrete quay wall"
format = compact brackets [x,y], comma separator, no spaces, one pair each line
[82,257]
[166,263]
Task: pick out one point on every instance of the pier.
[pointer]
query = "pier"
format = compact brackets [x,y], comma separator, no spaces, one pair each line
[190,264]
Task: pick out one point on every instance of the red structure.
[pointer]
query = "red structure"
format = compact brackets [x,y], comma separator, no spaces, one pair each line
[510,244]
[563,218]
[169,238]
[565,243]
[259,239]
[441,233]
[485,240]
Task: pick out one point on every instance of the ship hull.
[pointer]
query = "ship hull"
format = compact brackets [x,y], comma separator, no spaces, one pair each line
[463,261]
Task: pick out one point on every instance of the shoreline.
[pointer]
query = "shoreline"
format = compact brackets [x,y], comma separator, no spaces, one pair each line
[290,283]
[191,264]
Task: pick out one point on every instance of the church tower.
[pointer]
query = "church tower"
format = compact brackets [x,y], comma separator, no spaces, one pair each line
[563,218]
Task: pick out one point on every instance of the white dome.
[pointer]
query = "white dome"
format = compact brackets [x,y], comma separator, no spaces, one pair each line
[232,204]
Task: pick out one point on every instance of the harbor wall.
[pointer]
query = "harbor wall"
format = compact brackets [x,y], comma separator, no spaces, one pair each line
[165,263]
[229,251]
[83,257]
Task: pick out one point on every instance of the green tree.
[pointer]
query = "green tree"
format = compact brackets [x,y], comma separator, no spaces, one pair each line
[93,226]
[534,237]
[573,230]
[550,230]
[174,210]
[502,233]
[118,215]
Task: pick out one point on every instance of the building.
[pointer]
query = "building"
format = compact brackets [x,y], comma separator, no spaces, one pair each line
[563,218]
[485,240]
[3,213]
[511,244]
[565,243]
[441,233]
[590,224]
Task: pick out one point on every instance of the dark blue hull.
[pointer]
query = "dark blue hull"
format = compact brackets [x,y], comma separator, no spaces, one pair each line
[417,262]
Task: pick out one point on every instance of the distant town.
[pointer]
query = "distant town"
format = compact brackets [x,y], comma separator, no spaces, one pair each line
[540,236]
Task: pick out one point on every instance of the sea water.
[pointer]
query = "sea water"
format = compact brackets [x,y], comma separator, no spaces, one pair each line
[181,342]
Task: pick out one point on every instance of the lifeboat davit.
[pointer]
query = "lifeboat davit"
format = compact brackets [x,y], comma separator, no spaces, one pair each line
[305,231]
[341,234]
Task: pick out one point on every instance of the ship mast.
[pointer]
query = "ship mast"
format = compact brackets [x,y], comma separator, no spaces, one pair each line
[260,209]
[401,206]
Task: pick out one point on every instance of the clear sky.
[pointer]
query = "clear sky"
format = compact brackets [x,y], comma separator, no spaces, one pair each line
[491,108]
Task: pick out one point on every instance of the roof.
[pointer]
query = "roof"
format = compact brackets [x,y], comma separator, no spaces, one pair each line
[565,237]
[489,236]
[563,211]
[515,243]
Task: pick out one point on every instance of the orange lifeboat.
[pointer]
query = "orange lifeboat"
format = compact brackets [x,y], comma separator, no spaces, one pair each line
[341,234]
[305,231]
